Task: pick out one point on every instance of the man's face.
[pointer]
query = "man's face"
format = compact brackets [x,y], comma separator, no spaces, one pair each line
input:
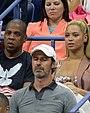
[41,64]
[14,37]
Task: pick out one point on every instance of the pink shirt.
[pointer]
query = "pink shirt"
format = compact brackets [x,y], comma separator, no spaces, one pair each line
[41,29]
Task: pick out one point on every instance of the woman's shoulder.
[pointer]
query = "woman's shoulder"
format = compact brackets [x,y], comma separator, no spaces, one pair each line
[86,59]
[32,23]
[34,28]
[37,23]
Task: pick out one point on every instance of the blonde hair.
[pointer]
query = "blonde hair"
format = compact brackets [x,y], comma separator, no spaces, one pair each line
[82,24]
[85,30]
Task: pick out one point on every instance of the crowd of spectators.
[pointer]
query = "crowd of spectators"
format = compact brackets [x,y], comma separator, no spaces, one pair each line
[55,17]
[51,18]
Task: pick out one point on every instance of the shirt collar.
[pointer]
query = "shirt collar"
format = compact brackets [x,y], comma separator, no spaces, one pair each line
[51,86]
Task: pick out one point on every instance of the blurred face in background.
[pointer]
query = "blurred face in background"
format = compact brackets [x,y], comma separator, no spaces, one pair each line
[54,9]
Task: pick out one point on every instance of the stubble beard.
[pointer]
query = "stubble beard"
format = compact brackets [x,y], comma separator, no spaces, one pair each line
[42,74]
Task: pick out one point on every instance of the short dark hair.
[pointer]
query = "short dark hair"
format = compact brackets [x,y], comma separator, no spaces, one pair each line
[4,99]
[20,22]
[65,13]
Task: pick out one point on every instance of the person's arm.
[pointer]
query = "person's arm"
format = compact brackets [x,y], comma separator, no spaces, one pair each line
[82,91]
[26,84]
[69,101]
[75,89]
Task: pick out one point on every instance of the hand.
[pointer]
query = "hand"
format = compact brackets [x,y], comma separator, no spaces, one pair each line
[72,87]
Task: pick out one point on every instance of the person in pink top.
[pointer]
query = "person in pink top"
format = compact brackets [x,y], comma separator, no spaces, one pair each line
[53,23]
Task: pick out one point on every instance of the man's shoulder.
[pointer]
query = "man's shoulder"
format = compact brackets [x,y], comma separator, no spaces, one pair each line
[27,57]
[21,92]
[63,89]
[19,95]
[27,54]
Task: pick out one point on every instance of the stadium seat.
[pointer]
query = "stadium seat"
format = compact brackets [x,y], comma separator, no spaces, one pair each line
[30,12]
